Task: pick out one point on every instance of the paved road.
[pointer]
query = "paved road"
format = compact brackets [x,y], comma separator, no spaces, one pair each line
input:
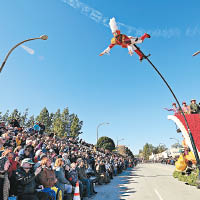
[147,182]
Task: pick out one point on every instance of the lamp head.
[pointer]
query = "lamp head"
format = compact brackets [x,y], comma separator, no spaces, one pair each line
[44,37]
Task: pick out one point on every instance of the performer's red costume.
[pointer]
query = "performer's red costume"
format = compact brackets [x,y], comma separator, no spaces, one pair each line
[124,41]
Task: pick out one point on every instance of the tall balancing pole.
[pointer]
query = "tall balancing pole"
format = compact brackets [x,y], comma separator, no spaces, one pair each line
[189,131]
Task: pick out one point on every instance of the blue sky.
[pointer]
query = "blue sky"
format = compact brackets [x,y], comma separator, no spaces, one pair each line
[66,70]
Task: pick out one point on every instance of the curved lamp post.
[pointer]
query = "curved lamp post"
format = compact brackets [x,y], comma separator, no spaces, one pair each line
[104,123]
[189,131]
[196,53]
[43,37]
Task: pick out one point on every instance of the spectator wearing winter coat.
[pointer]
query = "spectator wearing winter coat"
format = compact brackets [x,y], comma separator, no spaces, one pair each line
[14,165]
[14,123]
[194,107]
[73,176]
[62,182]
[109,169]
[4,181]
[84,179]
[36,128]
[101,169]
[26,182]
[42,128]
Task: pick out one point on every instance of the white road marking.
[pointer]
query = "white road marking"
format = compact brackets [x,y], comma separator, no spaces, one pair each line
[157,193]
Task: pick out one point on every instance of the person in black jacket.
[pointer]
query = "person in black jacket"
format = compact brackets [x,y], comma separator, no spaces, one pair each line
[26,184]
[42,128]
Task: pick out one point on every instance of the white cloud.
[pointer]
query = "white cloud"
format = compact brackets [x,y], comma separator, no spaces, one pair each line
[27,49]
[98,17]
[193,31]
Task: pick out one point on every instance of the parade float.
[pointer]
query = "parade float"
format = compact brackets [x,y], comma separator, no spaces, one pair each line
[186,169]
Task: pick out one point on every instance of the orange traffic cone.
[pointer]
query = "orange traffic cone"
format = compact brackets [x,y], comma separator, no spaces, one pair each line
[76,192]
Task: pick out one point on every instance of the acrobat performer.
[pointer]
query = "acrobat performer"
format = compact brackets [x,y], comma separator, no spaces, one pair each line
[124,41]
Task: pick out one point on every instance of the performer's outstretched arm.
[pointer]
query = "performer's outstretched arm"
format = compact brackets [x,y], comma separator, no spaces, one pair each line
[107,50]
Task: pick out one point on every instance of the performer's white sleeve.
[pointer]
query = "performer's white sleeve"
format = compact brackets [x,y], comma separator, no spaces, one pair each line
[130,48]
[107,50]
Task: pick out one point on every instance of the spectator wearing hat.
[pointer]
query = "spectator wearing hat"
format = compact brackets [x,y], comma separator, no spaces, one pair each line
[194,107]
[185,108]
[174,109]
[26,184]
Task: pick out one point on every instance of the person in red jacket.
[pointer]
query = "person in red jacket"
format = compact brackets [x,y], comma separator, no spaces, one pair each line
[124,41]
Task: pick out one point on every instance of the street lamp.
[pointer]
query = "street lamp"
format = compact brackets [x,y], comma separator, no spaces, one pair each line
[196,53]
[119,141]
[104,123]
[188,128]
[42,37]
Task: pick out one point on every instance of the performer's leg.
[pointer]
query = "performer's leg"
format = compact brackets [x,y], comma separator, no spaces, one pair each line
[139,53]
[145,36]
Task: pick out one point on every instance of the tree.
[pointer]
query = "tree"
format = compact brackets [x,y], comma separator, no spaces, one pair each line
[23,118]
[66,121]
[31,121]
[5,116]
[129,152]
[106,143]
[62,124]
[15,115]
[75,125]
[44,118]
[161,148]
[58,126]
[147,151]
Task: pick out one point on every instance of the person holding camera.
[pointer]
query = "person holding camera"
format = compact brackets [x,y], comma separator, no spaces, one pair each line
[26,182]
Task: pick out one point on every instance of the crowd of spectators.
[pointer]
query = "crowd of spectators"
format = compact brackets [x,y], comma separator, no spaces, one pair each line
[193,108]
[35,165]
